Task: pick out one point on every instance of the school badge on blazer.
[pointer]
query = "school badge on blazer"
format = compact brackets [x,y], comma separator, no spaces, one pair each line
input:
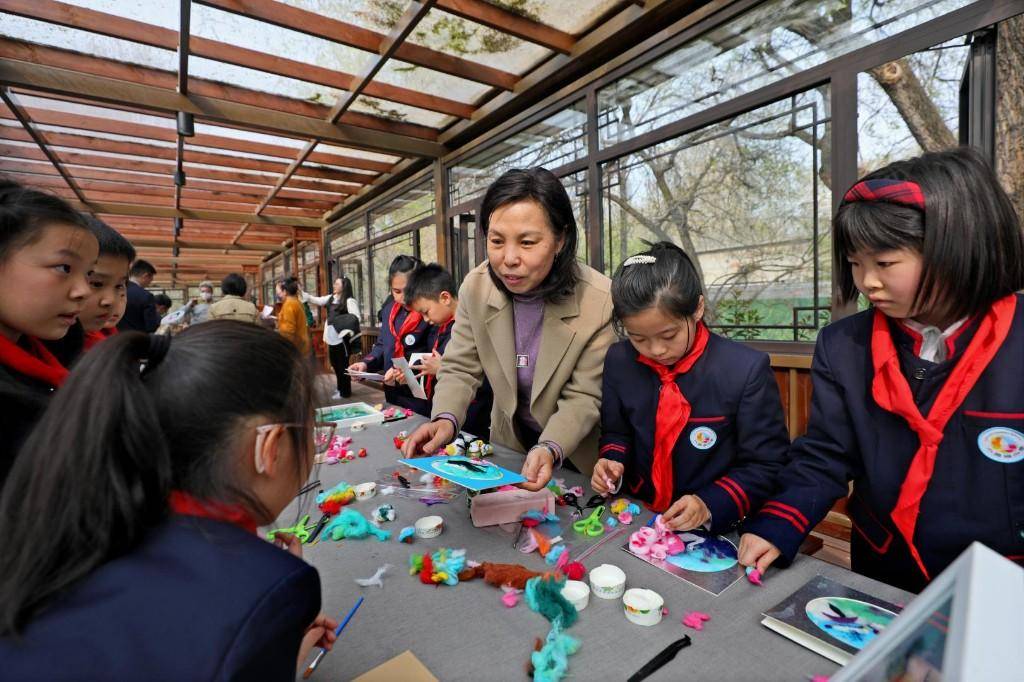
[1002,444]
[703,437]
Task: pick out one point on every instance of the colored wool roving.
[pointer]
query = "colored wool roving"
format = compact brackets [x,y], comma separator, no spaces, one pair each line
[551,660]
[351,524]
[331,501]
[443,566]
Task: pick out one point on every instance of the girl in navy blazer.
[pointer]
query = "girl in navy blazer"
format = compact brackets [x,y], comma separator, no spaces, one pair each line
[919,400]
[402,333]
[691,422]
[129,523]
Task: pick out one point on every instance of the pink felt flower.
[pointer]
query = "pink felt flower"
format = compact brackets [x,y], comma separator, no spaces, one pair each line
[626,518]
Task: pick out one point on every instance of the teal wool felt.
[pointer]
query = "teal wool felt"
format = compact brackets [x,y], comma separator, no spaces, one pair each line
[544,595]
[551,663]
[350,524]
[553,554]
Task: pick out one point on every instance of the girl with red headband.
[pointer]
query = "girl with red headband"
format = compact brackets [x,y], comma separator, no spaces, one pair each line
[691,422]
[917,400]
[402,333]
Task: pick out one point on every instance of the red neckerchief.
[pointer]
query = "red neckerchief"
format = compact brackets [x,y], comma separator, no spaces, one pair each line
[412,320]
[183,503]
[892,393]
[428,385]
[38,362]
[92,338]
[673,413]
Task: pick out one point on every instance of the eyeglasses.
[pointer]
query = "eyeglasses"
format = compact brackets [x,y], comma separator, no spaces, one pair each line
[323,433]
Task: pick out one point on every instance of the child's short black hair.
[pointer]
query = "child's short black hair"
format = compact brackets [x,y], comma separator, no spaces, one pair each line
[112,243]
[233,285]
[429,281]
[23,210]
[142,267]
[162,299]
[969,236]
[402,264]
[663,276]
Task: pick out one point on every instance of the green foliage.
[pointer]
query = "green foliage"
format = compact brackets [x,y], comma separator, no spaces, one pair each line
[736,310]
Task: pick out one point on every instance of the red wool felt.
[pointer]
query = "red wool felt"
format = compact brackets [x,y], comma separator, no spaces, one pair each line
[428,570]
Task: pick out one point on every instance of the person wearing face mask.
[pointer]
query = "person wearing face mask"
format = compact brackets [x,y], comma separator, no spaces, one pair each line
[536,324]
[201,309]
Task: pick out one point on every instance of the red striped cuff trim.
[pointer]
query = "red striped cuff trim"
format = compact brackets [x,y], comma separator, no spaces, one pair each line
[792,510]
[736,500]
[612,446]
[739,489]
[788,517]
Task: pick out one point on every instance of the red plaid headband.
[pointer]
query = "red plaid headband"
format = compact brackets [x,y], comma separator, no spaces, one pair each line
[902,192]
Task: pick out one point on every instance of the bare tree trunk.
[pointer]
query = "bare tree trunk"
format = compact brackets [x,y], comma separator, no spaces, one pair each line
[1010,109]
[918,110]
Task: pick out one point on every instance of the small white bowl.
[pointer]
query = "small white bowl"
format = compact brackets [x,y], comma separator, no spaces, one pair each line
[577,593]
[607,581]
[642,606]
[429,527]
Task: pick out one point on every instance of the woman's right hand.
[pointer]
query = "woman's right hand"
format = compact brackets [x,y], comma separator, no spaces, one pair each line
[757,552]
[429,438]
[357,367]
[606,476]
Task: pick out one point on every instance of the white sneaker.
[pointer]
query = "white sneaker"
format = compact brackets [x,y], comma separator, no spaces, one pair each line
[336,396]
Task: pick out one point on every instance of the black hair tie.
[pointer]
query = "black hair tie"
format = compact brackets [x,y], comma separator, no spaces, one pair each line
[159,344]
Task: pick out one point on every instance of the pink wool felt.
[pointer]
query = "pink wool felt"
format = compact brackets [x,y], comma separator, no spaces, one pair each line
[510,599]
[695,620]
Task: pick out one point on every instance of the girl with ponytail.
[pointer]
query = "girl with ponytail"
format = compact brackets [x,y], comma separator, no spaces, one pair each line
[129,520]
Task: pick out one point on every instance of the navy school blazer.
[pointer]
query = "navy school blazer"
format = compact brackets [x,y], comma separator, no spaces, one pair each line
[379,357]
[733,444]
[974,493]
[478,416]
[198,600]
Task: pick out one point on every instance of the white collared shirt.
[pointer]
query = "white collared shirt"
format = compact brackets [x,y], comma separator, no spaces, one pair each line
[933,344]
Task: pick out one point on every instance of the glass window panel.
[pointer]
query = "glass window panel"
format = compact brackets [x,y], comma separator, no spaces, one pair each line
[413,204]
[358,153]
[354,267]
[932,78]
[382,254]
[749,197]
[428,244]
[767,43]
[422,79]
[395,111]
[345,236]
[94,44]
[576,187]
[261,81]
[570,16]
[557,140]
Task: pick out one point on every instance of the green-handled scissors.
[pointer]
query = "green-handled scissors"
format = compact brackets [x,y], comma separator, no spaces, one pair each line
[591,525]
[299,530]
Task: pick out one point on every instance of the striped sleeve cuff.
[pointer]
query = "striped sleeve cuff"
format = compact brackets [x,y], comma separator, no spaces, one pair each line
[616,452]
[782,525]
[449,417]
[727,501]
[556,450]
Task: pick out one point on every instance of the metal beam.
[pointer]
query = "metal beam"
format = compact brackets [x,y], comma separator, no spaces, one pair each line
[75,83]
[11,101]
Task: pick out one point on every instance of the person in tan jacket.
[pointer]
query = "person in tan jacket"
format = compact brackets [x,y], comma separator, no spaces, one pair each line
[232,306]
[536,324]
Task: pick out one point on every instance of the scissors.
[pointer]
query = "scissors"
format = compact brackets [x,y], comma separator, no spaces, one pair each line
[299,530]
[591,525]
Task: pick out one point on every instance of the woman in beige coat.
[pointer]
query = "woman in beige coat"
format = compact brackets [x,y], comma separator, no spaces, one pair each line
[536,324]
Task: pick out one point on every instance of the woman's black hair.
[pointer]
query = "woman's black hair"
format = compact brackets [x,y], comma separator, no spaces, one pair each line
[23,211]
[402,265]
[543,187]
[346,288]
[969,236]
[290,286]
[670,282]
[233,284]
[95,474]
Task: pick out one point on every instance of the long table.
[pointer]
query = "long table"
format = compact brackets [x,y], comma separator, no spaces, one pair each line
[466,633]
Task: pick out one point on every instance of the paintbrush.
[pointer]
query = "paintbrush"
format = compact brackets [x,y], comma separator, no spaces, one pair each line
[337,633]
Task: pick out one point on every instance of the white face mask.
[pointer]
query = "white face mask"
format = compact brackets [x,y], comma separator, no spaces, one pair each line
[207,296]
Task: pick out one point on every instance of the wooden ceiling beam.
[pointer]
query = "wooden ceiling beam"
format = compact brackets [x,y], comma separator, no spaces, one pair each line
[507,21]
[102,23]
[328,28]
[120,208]
[206,245]
[68,81]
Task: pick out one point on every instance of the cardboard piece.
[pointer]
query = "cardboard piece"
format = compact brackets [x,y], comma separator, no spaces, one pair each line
[405,666]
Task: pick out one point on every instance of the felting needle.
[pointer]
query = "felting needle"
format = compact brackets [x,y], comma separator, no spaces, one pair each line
[337,632]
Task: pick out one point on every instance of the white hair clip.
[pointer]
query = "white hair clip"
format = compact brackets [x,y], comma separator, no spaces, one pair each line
[639,260]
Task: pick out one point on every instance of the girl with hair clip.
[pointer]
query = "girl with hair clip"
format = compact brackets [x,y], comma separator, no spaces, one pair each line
[129,525]
[402,332]
[918,400]
[46,256]
[691,422]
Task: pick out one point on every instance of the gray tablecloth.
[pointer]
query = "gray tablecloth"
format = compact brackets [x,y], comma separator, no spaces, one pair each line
[466,633]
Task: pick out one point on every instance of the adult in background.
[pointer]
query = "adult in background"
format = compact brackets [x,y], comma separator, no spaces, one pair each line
[234,306]
[536,324]
[140,314]
[291,320]
[163,304]
[200,311]
[340,331]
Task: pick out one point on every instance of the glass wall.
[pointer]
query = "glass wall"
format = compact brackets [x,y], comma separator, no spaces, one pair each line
[381,255]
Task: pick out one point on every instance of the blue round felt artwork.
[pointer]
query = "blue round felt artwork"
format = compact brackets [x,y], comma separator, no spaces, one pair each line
[704,553]
[486,471]
[851,621]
